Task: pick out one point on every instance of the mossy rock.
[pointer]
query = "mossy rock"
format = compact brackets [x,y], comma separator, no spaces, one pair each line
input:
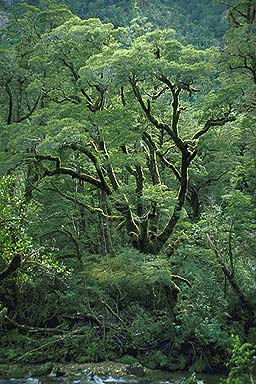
[19,371]
[136,369]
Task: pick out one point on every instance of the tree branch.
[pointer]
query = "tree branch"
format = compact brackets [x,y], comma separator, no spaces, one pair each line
[152,163]
[177,140]
[9,93]
[14,265]
[87,206]
[94,159]
[29,113]
[212,123]
[59,170]
[170,166]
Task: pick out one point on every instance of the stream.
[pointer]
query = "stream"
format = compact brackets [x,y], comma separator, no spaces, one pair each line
[165,379]
[101,373]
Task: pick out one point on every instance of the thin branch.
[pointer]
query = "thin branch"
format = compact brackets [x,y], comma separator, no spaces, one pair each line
[180,278]
[230,252]
[87,206]
[112,311]
[29,113]
[212,123]
[33,329]
[71,67]
[170,166]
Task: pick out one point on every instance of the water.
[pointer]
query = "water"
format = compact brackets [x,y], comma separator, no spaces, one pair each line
[95,373]
[154,378]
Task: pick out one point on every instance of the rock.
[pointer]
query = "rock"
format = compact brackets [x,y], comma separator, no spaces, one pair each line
[89,377]
[40,370]
[32,380]
[57,372]
[136,369]
[60,373]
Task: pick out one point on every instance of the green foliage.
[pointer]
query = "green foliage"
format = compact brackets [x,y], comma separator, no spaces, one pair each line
[190,18]
[13,237]
[128,359]
[242,363]
[25,267]
[155,360]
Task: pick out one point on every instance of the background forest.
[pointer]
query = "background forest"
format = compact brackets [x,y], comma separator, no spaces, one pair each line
[127,198]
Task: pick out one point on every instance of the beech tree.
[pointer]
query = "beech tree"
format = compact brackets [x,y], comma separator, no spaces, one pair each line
[123,116]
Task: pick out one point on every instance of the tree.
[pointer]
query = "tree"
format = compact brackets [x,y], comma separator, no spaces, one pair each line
[123,117]
[21,86]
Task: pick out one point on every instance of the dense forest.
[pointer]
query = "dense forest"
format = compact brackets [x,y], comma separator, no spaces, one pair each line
[127,184]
